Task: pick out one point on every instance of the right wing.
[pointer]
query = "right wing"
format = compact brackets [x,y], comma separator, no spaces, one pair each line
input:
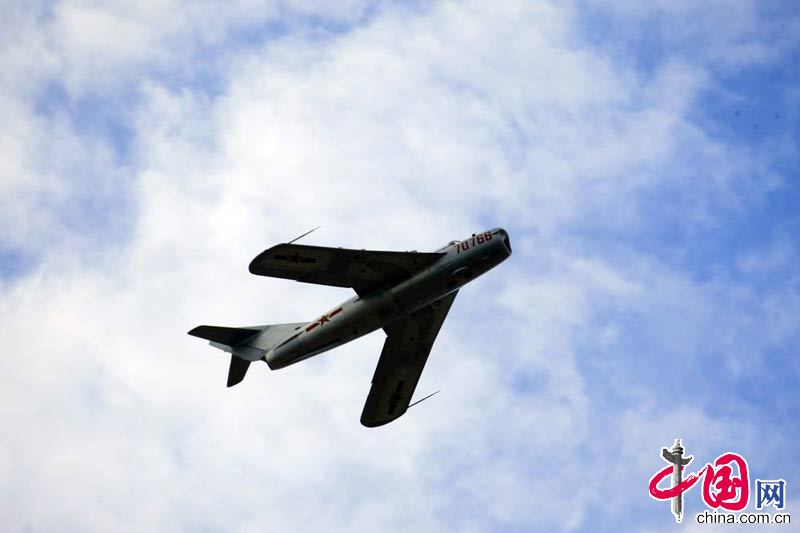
[402,361]
[363,270]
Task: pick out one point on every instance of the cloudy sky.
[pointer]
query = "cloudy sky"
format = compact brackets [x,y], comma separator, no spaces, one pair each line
[643,159]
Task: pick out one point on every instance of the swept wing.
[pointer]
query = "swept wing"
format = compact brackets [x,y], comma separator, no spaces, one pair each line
[402,360]
[363,270]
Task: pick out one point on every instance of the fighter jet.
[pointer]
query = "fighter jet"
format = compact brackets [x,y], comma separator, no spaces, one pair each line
[408,294]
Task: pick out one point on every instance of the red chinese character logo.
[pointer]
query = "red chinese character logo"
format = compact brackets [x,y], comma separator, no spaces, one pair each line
[721,488]
[725,483]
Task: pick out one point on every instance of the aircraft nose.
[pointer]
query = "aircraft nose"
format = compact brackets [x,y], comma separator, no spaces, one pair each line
[506,240]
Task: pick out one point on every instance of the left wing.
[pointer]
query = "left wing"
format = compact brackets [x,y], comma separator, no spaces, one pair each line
[363,270]
[403,358]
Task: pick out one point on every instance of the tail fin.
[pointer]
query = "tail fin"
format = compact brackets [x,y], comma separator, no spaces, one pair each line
[237,370]
[230,337]
[245,344]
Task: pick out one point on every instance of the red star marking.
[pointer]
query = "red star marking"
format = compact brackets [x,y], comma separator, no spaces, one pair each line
[323,319]
[294,258]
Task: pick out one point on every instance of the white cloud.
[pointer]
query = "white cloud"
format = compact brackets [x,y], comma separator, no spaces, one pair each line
[727,36]
[411,129]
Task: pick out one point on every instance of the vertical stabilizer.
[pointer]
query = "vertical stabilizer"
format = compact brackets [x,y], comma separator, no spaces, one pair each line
[237,370]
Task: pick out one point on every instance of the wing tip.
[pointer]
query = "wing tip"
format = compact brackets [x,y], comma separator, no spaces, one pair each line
[374,423]
[373,419]
[253,266]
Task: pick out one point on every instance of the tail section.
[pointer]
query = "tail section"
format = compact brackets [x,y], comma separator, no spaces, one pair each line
[237,370]
[245,344]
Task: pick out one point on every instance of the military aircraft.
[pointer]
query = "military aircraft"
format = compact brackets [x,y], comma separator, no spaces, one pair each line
[408,294]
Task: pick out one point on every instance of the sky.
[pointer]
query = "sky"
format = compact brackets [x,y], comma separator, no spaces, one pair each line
[642,156]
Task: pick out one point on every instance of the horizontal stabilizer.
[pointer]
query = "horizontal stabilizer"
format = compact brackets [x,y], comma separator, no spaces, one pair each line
[222,335]
[237,370]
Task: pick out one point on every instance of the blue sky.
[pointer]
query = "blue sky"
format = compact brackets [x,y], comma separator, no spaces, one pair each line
[643,158]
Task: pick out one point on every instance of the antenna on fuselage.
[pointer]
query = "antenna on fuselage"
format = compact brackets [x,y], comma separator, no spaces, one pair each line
[422,400]
[303,235]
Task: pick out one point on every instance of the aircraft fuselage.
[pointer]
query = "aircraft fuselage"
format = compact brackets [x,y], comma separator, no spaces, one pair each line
[464,261]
